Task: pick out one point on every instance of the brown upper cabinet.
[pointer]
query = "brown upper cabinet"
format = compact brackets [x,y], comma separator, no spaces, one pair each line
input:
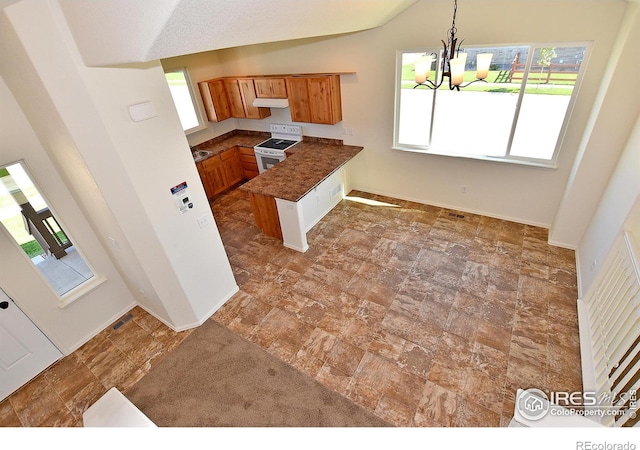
[315,99]
[232,88]
[230,97]
[241,93]
[268,87]
[215,100]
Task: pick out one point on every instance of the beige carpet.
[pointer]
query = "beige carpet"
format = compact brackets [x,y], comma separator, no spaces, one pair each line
[215,378]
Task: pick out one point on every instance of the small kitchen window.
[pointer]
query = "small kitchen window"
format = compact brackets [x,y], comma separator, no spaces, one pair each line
[184,99]
[519,115]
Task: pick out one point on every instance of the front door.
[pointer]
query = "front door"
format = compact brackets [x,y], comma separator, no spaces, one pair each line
[24,350]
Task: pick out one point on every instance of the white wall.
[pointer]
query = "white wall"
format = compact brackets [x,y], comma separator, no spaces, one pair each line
[119,170]
[616,212]
[602,196]
[70,327]
[632,223]
[612,117]
[524,194]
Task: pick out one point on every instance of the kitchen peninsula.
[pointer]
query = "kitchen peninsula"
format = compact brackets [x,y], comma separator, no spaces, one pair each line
[290,198]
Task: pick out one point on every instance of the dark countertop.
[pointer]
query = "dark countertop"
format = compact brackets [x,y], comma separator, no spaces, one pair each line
[234,138]
[310,163]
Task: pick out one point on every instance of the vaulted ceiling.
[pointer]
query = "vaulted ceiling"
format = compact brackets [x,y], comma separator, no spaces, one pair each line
[110,32]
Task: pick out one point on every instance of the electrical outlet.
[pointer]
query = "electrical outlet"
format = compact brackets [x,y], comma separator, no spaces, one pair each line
[464,189]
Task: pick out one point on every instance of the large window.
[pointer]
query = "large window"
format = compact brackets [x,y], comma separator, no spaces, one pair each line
[518,115]
[185,100]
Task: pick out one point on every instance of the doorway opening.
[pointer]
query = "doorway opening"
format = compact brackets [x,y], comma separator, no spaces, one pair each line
[27,218]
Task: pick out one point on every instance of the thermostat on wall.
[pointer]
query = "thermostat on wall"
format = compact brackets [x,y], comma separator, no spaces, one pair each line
[181,195]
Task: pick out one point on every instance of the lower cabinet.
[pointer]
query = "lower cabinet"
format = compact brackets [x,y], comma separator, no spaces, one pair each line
[212,176]
[222,171]
[248,162]
[231,165]
[265,213]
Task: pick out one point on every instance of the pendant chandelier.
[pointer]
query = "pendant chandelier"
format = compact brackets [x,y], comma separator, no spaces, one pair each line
[453,63]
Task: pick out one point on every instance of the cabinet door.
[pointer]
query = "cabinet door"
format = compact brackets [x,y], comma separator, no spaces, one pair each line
[248,162]
[207,100]
[232,166]
[215,100]
[270,87]
[205,180]
[214,173]
[278,88]
[232,88]
[265,213]
[248,92]
[298,99]
[324,99]
[220,101]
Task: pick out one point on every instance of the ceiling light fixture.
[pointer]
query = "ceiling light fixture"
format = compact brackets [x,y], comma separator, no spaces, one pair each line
[453,63]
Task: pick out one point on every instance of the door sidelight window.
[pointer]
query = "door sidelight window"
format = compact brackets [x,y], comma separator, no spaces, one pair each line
[27,218]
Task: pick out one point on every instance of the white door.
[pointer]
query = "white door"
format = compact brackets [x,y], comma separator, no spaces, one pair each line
[24,350]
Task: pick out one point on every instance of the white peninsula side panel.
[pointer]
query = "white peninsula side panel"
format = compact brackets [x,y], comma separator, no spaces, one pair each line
[297,218]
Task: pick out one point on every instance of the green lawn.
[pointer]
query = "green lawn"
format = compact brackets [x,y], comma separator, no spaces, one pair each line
[175,78]
[32,248]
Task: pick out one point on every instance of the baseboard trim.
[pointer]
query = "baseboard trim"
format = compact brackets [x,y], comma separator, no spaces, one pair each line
[211,312]
[105,325]
[452,207]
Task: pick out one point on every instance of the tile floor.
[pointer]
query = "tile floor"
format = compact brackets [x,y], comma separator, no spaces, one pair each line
[115,357]
[426,316]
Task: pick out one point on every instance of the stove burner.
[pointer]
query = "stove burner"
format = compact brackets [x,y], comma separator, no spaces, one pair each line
[278,144]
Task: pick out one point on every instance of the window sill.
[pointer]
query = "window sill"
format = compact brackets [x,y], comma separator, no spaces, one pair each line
[77,293]
[496,159]
[195,129]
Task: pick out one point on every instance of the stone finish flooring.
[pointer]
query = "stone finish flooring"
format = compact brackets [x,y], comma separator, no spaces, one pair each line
[424,315]
[115,357]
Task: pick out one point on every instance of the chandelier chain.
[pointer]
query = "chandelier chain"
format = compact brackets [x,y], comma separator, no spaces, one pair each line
[451,53]
[453,30]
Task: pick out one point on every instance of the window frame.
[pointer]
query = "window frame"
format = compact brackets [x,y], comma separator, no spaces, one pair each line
[196,101]
[507,158]
[81,289]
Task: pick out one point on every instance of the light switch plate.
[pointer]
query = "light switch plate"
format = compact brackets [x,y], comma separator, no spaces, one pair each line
[203,221]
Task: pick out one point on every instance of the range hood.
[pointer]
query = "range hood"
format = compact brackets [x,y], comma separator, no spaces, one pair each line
[271,103]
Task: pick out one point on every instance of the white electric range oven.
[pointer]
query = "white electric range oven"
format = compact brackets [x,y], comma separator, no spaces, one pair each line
[272,151]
